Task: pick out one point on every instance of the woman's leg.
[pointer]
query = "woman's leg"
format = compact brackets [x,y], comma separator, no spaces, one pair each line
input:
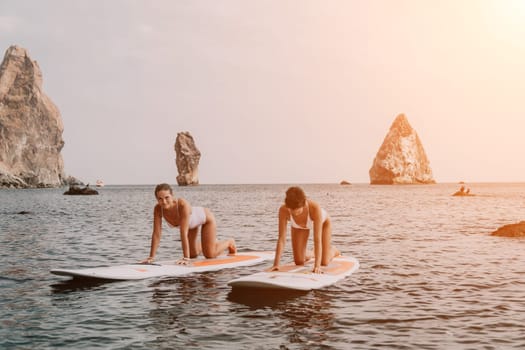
[195,246]
[328,251]
[210,247]
[299,241]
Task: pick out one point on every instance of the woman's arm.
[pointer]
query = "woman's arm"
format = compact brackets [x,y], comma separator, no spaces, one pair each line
[184,212]
[317,218]
[281,240]
[156,234]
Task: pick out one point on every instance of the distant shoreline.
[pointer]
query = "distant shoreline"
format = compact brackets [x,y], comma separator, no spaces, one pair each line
[360,184]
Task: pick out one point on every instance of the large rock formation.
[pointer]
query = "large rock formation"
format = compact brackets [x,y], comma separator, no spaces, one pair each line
[401,158]
[187,160]
[30,126]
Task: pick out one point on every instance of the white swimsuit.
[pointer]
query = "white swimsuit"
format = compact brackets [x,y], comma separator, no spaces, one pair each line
[197,217]
[309,221]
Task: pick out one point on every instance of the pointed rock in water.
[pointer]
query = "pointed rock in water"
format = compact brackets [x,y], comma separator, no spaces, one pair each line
[30,126]
[187,160]
[511,230]
[401,158]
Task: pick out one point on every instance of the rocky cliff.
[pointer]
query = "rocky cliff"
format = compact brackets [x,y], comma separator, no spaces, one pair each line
[401,158]
[30,126]
[187,160]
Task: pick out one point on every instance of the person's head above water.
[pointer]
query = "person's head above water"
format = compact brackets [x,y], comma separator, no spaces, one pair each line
[164,195]
[163,187]
[295,198]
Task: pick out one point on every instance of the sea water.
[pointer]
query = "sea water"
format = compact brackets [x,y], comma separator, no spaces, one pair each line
[431,276]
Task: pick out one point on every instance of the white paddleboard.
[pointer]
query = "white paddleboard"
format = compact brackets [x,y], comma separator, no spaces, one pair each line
[167,268]
[295,277]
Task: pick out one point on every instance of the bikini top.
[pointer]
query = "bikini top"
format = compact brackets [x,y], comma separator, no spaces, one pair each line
[308,220]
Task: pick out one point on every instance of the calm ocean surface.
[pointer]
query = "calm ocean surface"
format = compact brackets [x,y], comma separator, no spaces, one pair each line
[431,277]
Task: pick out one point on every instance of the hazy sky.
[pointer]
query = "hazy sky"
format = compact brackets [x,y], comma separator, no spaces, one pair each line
[278,91]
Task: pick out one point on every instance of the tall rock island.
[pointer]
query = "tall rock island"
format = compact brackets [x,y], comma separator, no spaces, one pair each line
[187,160]
[30,126]
[401,158]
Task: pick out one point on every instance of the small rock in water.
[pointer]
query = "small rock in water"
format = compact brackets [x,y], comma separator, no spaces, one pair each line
[511,230]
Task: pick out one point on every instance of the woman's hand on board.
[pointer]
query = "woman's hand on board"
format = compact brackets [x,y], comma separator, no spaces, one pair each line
[148,260]
[184,261]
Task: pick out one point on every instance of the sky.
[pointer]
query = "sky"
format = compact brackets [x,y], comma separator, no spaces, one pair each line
[278,91]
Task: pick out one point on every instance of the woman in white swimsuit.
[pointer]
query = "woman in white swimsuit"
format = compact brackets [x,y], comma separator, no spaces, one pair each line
[178,212]
[304,214]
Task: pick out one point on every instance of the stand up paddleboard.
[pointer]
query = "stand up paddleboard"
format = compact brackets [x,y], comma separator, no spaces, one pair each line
[166,268]
[295,277]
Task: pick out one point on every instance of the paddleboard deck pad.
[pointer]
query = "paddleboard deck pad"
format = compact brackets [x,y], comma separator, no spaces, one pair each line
[166,268]
[293,277]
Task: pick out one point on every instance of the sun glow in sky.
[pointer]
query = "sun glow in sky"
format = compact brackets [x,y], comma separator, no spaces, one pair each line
[278,91]
[506,19]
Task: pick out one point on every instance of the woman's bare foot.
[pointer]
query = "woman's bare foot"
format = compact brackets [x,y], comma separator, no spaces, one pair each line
[232,248]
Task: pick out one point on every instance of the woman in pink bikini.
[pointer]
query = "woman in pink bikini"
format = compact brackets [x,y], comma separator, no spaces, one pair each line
[304,214]
[178,212]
